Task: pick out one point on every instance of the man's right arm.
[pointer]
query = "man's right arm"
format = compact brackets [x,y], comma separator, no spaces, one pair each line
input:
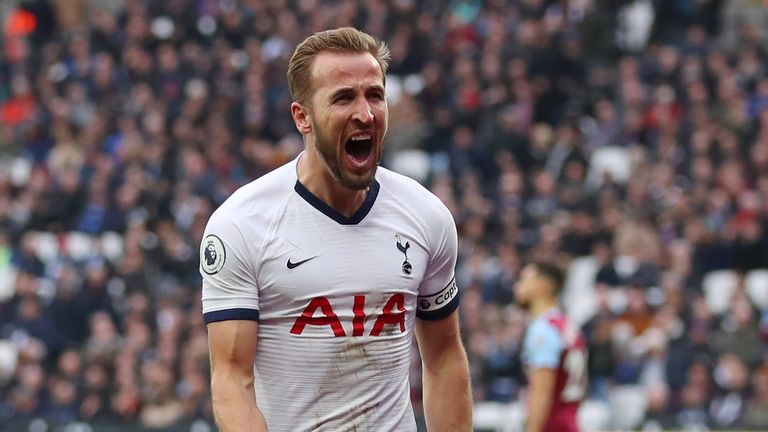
[232,345]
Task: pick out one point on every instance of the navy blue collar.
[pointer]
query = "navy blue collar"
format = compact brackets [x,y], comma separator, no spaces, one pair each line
[334,214]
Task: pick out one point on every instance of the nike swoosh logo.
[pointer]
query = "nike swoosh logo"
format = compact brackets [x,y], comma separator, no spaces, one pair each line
[293,265]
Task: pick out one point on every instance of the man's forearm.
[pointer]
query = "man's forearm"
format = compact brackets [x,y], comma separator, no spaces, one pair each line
[537,415]
[234,406]
[447,394]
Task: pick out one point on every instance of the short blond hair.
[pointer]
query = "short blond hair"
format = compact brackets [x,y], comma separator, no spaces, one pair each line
[345,39]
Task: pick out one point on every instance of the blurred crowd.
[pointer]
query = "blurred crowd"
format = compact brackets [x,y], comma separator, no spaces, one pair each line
[626,139]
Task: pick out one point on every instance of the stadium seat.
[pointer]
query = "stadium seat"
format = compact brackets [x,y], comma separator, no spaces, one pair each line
[627,405]
[412,163]
[617,301]
[498,417]
[514,418]
[719,286]
[7,281]
[594,415]
[111,246]
[46,246]
[20,171]
[625,265]
[9,356]
[756,284]
[613,160]
[487,415]
[79,246]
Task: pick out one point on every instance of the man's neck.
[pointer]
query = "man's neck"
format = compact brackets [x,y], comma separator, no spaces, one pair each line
[325,187]
[542,306]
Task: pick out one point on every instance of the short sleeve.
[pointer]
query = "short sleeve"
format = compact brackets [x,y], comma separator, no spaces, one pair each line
[543,346]
[438,292]
[230,291]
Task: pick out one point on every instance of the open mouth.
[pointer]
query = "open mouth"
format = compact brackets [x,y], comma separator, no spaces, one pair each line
[359,147]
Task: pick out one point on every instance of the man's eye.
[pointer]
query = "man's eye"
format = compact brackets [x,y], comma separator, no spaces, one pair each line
[343,98]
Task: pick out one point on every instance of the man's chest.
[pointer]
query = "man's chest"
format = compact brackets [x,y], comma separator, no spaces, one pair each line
[354,272]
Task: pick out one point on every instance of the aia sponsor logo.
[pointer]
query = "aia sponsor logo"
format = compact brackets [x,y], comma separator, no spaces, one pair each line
[320,312]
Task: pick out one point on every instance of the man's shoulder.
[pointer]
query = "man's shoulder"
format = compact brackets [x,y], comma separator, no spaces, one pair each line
[261,195]
[405,189]
[542,324]
[543,344]
[394,180]
[543,327]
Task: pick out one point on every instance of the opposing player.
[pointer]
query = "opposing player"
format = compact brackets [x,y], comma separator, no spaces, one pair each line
[554,352]
[317,275]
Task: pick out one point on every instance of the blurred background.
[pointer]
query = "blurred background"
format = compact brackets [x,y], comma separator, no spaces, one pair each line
[627,138]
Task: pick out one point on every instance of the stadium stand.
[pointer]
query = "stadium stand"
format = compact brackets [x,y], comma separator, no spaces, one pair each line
[628,138]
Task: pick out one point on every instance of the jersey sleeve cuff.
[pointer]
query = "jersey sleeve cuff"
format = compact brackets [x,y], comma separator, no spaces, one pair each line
[231,314]
[441,313]
[546,364]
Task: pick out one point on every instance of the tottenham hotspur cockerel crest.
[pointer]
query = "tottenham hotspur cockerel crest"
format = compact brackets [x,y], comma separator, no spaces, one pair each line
[407,268]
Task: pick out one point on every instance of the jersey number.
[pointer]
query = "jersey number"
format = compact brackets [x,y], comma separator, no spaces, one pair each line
[575,365]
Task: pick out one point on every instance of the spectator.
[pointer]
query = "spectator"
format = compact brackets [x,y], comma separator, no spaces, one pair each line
[161,408]
[739,335]
[732,378]
[756,414]
[61,407]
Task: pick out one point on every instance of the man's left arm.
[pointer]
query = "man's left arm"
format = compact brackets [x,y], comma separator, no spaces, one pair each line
[542,348]
[541,388]
[447,392]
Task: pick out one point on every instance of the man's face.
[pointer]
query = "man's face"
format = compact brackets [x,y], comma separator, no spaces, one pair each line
[529,286]
[349,115]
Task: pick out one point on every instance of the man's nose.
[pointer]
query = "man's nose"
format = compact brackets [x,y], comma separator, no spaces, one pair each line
[363,112]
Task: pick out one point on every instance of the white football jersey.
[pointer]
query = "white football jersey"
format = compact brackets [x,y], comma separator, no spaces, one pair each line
[336,298]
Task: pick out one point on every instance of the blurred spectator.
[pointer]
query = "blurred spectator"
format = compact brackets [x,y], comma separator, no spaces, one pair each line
[602,358]
[161,407]
[739,334]
[61,407]
[756,415]
[732,378]
[692,412]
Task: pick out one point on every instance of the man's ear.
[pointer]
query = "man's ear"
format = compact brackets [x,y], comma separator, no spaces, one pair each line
[301,118]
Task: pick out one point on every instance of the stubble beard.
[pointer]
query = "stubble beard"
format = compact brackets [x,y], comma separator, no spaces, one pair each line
[524,305]
[523,302]
[332,157]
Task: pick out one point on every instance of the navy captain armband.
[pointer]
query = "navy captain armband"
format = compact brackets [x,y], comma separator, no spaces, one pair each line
[439,305]
[231,314]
